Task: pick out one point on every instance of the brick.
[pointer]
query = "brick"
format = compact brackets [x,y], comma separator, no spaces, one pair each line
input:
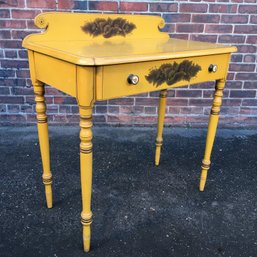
[245,29]
[249,102]
[132,6]
[173,110]
[249,58]
[231,39]
[231,102]
[209,28]
[122,101]
[113,109]
[101,109]
[21,34]
[204,38]
[189,93]
[150,110]
[236,58]
[147,101]
[246,76]
[180,36]
[22,91]
[127,109]
[13,24]
[17,64]
[222,8]
[120,118]
[234,19]
[242,67]
[2,108]
[247,48]
[250,84]
[10,44]
[205,18]
[48,4]
[24,14]
[13,108]
[200,102]
[80,5]
[251,40]
[190,28]
[253,19]
[177,101]
[6,74]
[31,25]
[145,119]
[234,84]
[11,99]
[5,34]
[65,4]
[4,91]
[12,3]
[64,100]
[4,13]
[96,119]
[10,53]
[23,54]
[12,119]
[169,28]
[177,17]
[191,110]
[247,9]
[163,7]
[105,6]
[193,8]
[230,76]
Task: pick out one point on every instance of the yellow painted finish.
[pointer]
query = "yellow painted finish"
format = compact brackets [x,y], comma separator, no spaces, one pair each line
[86,146]
[161,115]
[90,56]
[56,72]
[119,86]
[43,140]
[213,123]
[85,86]
[64,39]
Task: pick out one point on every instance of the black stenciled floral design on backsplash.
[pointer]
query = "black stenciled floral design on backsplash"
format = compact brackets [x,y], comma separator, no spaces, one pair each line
[108,27]
[172,73]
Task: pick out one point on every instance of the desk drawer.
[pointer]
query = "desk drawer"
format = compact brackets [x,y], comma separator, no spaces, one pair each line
[112,81]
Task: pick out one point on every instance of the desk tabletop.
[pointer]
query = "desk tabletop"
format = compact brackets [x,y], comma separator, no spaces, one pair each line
[140,41]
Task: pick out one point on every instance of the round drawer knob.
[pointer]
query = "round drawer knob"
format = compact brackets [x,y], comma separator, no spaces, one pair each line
[133,79]
[213,68]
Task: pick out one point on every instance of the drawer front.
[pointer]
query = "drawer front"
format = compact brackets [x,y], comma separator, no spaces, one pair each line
[113,81]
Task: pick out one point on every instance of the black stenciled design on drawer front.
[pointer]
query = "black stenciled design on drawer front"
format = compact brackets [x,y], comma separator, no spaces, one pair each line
[108,27]
[172,73]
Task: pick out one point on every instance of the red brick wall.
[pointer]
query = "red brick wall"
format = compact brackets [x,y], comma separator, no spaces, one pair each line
[221,21]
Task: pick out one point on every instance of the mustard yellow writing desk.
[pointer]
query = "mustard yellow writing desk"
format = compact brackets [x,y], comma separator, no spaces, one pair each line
[94,57]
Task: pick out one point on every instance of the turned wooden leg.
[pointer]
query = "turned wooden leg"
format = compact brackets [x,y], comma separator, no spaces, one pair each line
[161,114]
[213,122]
[43,140]
[86,172]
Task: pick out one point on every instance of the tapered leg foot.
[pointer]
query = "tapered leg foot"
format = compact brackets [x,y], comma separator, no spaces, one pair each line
[212,127]
[86,147]
[161,115]
[205,168]
[86,221]
[43,140]
[47,180]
